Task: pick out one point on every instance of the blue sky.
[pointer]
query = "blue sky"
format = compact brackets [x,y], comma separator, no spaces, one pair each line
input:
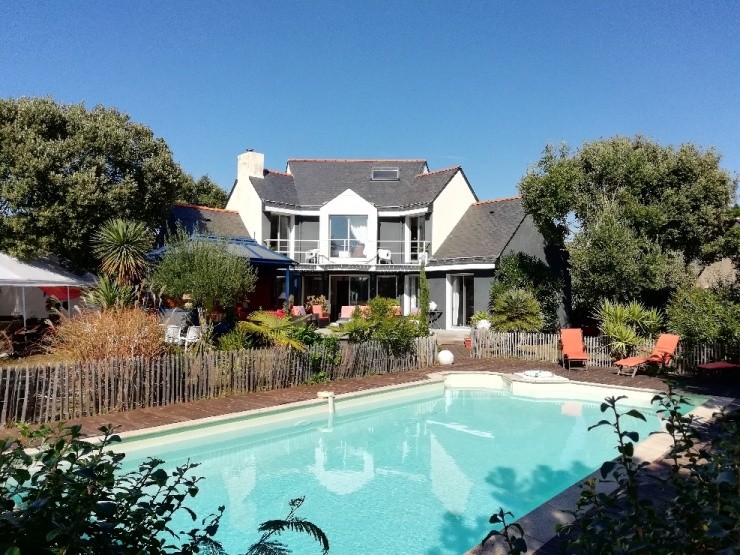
[485,85]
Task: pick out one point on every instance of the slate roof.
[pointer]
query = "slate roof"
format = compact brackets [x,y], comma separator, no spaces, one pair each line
[483,232]
[208,221]
[312,183]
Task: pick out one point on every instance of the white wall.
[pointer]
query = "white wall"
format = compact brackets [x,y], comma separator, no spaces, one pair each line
[349,203]
[449,207]
[244,198]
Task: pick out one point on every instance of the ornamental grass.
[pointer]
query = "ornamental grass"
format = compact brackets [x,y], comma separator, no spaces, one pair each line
[111,333]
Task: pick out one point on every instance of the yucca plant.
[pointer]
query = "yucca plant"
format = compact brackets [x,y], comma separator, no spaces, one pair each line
[122,246]
[109,293]
[627,325]
[517,310]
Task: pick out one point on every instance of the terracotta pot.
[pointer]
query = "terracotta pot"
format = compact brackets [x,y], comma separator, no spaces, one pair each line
[468,343]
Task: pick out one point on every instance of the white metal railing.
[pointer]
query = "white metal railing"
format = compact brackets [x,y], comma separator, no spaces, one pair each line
[351,251]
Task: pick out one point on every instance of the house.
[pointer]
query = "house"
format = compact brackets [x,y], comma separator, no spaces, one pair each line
[215,224]
[363,228]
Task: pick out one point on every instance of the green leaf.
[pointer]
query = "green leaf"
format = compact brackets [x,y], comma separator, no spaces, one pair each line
[634,413]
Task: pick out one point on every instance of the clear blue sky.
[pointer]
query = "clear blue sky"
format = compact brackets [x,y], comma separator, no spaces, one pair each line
[480,84]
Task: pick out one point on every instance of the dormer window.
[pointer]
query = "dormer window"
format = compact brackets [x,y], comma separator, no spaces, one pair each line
[385,174]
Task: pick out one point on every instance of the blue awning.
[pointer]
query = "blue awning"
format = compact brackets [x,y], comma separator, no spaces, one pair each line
[259,255]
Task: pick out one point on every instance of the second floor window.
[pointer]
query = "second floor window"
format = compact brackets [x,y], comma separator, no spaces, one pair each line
[348,236]
[280,233]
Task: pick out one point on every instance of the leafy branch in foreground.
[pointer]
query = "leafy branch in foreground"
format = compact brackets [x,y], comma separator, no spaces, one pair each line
[267,546]
[702,513]
[515,544]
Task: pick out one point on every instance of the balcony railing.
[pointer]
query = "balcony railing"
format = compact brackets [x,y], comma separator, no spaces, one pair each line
[351,251]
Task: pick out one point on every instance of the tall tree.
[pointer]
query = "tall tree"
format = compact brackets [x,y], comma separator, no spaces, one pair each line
[65,170]
[203,192]
[631,213]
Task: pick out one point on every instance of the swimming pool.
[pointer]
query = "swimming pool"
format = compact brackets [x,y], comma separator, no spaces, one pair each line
[416,470]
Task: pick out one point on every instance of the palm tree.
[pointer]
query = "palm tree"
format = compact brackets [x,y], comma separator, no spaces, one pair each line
[121,246]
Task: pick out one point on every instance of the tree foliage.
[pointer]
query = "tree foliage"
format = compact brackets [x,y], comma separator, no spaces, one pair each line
[65,170]
[705,315]
[630,212]
[204,269]
[203,192]
[608,260]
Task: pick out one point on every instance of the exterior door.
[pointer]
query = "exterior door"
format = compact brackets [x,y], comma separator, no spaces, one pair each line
[347,291]
[462,299]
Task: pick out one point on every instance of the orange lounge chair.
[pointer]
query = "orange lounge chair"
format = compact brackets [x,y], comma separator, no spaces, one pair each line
[665,348]
[573,347]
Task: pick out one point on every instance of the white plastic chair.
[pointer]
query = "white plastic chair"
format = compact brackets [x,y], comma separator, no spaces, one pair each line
[193,334]
[384,256]
[173,335]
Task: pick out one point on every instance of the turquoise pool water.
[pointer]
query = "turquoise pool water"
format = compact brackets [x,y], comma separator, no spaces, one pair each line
[418,477]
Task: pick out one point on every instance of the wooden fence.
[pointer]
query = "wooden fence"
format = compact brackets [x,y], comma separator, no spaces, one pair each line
[544,347]
[73,390]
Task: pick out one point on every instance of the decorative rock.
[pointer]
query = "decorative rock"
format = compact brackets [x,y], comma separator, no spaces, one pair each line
[445,358]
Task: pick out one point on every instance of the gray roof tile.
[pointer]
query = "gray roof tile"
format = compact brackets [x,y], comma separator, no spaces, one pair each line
[208,221]
[483,232]
[313,183]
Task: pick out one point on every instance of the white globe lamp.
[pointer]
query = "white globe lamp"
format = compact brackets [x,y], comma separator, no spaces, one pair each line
[445,357]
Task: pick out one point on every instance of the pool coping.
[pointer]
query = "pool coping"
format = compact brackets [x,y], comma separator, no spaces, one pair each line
[539,524]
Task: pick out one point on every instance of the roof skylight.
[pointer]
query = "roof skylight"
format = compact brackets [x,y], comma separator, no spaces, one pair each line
[385,174]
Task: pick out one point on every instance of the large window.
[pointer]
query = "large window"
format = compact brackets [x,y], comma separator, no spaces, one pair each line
[280,233]
[388,288]
[348,236]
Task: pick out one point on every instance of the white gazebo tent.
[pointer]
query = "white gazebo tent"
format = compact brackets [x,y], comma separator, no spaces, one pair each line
[42,272]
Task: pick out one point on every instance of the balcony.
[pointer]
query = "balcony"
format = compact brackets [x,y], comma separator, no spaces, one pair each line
[351,252]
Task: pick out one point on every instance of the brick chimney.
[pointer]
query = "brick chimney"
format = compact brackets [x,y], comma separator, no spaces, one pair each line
[250,164]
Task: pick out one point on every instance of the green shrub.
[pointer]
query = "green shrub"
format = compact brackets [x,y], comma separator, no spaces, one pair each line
[68,495]
[379,322]
[523,271]
[703,513]
[705,315]
[517,310]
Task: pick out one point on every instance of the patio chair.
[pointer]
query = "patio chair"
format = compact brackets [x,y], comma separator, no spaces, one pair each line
[665,348]
[573,347]
[192,336]
[173,335]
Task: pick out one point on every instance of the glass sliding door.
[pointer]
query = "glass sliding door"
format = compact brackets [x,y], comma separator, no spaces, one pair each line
[347,291]
[462,300]
[388,288]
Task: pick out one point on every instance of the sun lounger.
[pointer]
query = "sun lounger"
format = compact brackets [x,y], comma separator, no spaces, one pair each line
[665,348]
[573,347]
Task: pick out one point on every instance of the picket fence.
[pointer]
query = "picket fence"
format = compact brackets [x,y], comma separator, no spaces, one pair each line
[66,391]
[544,347]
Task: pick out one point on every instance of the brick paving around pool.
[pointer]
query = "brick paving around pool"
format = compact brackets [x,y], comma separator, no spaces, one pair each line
[172,414]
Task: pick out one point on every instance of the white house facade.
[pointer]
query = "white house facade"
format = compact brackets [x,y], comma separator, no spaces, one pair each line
[362,228]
